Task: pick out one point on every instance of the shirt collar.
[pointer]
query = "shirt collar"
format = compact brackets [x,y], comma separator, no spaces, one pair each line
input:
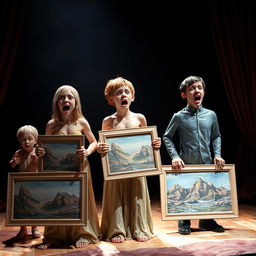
[193,110]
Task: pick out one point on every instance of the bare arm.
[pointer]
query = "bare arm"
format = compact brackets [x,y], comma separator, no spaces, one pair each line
[107,124]
[40,152]
[143,120]
[90,137]
[15,159]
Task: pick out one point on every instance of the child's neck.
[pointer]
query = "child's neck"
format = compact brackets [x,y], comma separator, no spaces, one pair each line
[122,112]
[66,119]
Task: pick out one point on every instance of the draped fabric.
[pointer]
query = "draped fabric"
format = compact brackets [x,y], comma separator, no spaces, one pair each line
[234,31]
[11,24]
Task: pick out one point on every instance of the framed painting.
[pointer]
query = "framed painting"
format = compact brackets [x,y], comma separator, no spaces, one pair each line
[47,198]
[131,153]
[198,192]
[60,152]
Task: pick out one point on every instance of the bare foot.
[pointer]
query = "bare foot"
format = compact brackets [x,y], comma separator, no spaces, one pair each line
[22,233]
[117,239]
[142,239]
[81,242]
[35,232]
[43,246]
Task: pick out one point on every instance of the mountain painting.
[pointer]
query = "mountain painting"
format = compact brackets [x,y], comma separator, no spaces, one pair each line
[60,157]
[47,199]
[130,153]
[198,192]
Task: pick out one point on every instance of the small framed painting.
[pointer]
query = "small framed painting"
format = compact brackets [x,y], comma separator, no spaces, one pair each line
[60,152]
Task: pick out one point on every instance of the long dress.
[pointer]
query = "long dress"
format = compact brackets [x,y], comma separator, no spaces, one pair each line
[126,209]
[58,235]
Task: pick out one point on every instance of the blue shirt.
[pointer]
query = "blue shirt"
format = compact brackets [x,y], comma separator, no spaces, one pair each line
[198,132]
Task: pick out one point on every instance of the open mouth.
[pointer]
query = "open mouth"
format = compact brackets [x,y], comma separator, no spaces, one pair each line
[124,102]
[197,98]
[65,108]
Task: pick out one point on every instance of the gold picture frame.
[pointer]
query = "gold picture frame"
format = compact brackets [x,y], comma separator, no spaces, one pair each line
[198,192]
[47,198]
[60,153]
[131,154]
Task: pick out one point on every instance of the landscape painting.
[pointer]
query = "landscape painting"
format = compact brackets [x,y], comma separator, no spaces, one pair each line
[130,154]
[43,198]
[198,193]
[60,153]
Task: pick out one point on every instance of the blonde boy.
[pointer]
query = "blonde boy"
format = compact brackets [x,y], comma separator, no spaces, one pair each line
[27,161]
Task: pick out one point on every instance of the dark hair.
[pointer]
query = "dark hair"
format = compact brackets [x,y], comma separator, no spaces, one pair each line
[189,81]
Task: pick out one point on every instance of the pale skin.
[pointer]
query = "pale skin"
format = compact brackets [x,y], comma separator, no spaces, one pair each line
[194,95]
[27,159]
[123,118]
[67,126]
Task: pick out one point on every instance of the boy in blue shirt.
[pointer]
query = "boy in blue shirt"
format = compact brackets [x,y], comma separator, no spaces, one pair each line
[198,132]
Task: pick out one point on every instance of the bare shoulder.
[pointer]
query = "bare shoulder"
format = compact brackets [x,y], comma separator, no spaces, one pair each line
[50,123]
[82,121]
[109,118]
[50,126]
[107,122]
[84,124]
[141,118]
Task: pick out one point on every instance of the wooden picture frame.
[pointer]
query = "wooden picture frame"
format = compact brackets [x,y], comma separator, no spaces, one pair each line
[131,153]
[47,198]
[198,192]
[60,152]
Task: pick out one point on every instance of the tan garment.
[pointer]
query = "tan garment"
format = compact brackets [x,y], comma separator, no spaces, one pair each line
[56,235]
[126,209]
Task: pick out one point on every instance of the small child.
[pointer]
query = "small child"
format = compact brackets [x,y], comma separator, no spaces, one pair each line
[27,161]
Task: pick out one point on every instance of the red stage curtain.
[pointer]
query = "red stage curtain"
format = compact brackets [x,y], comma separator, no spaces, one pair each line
[234,31]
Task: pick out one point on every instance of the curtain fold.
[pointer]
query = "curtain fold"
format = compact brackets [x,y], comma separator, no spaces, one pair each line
[11,23]
[234,29]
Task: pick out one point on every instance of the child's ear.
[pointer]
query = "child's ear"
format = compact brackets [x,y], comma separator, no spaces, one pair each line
[111,101]
[133,99]
[183,95]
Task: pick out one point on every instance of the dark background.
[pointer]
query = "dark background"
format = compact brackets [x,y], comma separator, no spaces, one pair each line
[85,43]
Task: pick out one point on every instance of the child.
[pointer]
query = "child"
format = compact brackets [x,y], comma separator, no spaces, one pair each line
[198,132]
[27,161]
[67,119]
[126,203]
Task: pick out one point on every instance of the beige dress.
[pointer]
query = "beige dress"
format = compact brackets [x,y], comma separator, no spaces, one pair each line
[126,209]
[57,235]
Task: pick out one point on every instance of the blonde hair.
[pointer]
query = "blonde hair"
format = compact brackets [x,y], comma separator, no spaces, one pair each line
[27,130]
[114,84]
[77,112]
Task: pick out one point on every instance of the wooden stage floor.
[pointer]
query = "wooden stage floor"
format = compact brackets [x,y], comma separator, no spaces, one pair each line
[242,228]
